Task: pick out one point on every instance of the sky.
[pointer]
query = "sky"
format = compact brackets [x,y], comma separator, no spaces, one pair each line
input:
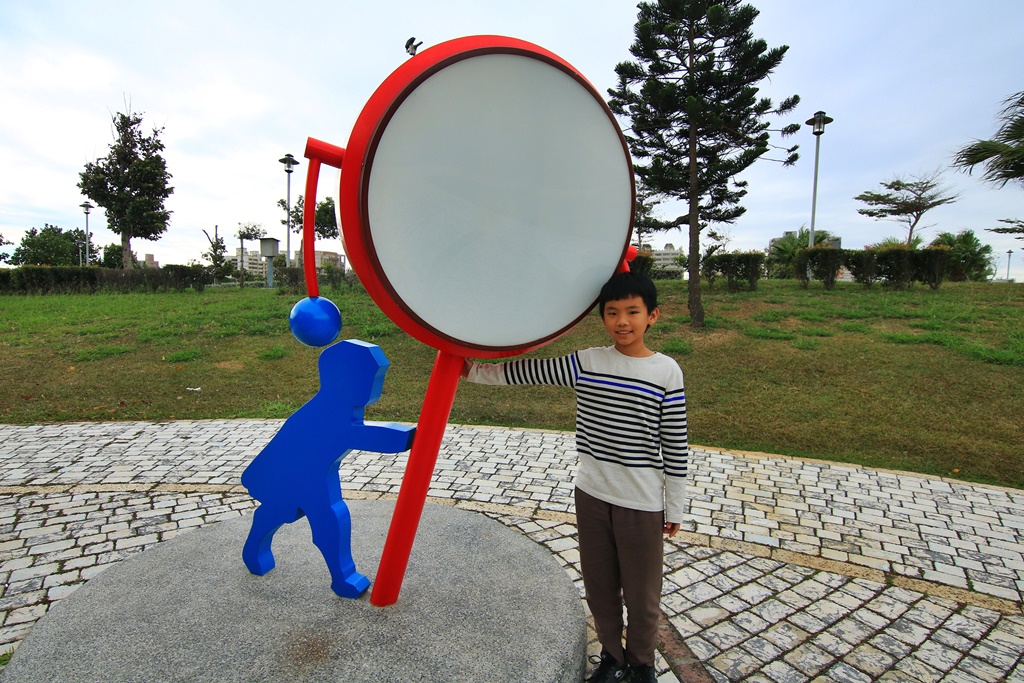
[235,85]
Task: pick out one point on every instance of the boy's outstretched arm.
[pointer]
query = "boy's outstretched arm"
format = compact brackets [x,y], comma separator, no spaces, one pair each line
[382,437]
[562,371]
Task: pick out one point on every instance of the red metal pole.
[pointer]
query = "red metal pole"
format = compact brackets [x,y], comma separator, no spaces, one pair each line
[437,406]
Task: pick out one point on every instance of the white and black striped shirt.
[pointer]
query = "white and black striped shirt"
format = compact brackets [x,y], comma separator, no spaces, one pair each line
[630,422]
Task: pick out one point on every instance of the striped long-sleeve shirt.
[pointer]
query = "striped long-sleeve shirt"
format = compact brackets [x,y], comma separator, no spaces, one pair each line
[630,423]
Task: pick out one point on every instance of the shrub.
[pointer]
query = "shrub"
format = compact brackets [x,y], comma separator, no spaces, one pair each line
[750,267]
[932,264]
[895,266]
[736,267]
[642,263]
[800,266]
[666,274]
[89,279]
[825,264]
[709,270]
[863,265]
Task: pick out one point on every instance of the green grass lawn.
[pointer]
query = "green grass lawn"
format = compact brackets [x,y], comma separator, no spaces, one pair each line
[926,381]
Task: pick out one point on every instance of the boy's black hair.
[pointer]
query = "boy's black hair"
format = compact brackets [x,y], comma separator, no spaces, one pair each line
[624,285]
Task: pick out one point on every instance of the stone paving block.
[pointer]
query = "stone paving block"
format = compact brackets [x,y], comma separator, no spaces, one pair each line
[918,670]
[809,659]
[868,511]
[843,672]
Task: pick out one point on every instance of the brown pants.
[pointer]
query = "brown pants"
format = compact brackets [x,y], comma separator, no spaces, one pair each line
[621,556]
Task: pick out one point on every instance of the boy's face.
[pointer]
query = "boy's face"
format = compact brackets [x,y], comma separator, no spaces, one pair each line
[627,321]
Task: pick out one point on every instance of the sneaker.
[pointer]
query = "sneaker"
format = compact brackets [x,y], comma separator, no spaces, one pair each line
[608,670]
[644,673]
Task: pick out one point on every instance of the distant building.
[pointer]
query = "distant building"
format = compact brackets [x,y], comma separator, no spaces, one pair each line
[150,262]
[323,258]
[665,259]
[251,262]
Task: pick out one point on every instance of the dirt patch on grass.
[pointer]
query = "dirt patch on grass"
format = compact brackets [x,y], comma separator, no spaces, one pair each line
[709,339]
[230,365]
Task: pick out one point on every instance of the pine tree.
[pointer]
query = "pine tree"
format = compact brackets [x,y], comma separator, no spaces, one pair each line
[696,120]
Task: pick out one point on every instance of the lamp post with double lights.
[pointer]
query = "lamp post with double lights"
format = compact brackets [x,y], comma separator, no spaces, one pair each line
[289,162]
[817,124]
[87,207]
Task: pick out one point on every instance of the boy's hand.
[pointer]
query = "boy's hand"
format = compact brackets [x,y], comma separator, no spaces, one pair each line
[466,365]
[671,528]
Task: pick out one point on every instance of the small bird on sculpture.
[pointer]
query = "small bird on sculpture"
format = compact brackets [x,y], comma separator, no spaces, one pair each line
[411,45]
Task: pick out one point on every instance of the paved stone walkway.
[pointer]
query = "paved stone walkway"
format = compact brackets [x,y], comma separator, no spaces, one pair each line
[789,570]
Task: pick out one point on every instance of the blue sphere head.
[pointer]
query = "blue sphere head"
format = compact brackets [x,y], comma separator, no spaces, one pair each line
[315,321]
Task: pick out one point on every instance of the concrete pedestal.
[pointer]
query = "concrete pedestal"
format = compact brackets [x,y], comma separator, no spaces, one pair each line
[480,602]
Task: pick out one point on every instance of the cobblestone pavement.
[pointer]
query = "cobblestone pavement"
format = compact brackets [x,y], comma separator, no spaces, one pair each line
[789,570]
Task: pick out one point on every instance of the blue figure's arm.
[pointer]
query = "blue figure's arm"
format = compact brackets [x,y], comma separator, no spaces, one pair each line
[381,437]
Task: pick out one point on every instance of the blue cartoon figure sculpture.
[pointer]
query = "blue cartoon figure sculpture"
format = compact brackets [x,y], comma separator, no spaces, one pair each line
[296,474]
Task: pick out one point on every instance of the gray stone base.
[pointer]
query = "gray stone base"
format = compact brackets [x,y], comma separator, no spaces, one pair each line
[480,602]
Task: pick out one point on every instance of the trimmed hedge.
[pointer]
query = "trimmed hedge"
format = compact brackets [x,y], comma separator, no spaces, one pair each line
[826,263]
[862,265]
[736,267]
[87,280]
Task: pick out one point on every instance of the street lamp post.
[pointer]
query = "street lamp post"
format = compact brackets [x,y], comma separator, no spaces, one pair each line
[1008,252]
[289,163]
[817,125]
[87,207]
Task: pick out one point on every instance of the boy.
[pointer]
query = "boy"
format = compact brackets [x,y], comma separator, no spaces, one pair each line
[630,488]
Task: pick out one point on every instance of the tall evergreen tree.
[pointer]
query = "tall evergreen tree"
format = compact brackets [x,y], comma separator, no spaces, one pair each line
[696,120]
[220,266]
[645,223]
[130,183]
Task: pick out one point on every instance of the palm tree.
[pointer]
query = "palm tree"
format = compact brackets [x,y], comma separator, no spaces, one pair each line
[889,242]
[1003,155]
[782,252]
[969,258]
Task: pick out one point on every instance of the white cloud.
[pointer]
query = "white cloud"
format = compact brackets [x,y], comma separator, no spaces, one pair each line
[236,85]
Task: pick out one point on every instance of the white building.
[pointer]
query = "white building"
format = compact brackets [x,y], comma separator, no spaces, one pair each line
[323,258]
[252,262]
[665,259]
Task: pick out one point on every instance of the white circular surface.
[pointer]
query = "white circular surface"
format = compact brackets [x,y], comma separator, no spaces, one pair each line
[499,200]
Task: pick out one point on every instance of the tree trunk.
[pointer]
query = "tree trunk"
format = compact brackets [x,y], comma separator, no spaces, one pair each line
[693,262]
[126,251]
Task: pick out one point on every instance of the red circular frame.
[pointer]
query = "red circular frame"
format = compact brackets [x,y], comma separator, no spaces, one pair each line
[357,167]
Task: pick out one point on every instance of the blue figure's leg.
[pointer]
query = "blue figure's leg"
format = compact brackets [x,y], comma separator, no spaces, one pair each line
[266,521]
[332,534]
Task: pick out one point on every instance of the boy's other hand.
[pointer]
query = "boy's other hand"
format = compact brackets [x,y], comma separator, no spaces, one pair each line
[671,528]
[466,365]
